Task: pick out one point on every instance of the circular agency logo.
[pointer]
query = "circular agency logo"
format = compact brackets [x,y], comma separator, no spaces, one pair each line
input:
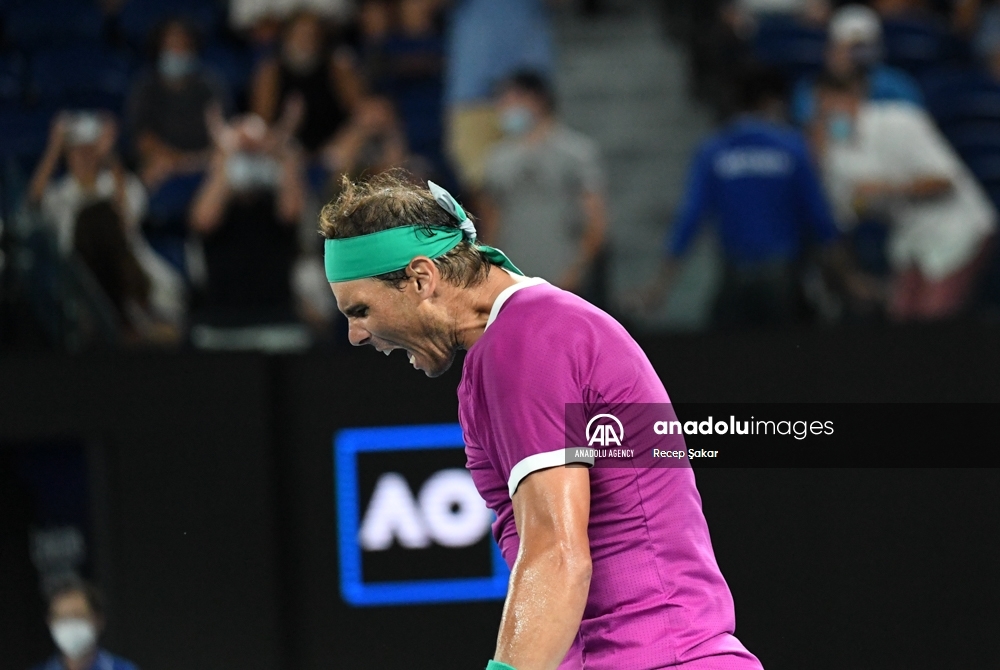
[604,434]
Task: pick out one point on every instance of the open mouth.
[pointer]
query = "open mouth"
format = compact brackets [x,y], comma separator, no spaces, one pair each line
[409,354]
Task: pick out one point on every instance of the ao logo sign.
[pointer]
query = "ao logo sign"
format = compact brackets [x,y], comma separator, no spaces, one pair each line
[448,511]
[604,434]
[396,544]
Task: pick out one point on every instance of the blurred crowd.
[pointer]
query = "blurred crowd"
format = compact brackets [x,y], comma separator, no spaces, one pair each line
[855,172]
[167,159]
[179,152]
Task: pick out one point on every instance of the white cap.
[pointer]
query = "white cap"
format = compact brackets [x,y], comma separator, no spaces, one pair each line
[855,23]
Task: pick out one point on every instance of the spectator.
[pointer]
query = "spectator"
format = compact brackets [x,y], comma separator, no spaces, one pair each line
[855,48]
[407,65]
[376,21]
[372,142]
[889,160]
[99,241]
[306,67]
[486,42]
[96,174]
[544,199]
[246,213]
[168,106]
[757,179]
[76,621]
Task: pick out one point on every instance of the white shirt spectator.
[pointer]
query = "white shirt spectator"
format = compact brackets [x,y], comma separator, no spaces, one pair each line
[61,204]
[898,143]
[64,198]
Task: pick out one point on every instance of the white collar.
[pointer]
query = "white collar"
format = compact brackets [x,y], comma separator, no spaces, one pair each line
[521,282]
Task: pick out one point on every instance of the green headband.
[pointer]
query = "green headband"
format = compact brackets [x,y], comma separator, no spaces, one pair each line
[392,249]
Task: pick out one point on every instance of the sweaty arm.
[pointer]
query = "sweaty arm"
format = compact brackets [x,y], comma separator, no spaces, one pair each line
[551,576]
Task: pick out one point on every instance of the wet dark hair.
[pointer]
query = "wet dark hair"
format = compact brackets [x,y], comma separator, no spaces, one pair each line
[93,596]
[533,83]
[389,200]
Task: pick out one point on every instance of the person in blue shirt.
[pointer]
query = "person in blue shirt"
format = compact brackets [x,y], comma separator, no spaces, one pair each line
[757,180]
[76,620]
[855,47]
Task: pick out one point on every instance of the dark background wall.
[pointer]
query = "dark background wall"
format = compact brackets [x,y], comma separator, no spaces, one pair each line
[217,525]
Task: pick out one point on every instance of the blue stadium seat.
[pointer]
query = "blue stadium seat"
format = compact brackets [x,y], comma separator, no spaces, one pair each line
[915,44]
[168,205]
[35,24]
[166,224]
[82,76]
[232,64]
[957,97]
[974,104]
[975,138]
[138,18]
[790,46]
[986,167]
[7,5]
[12,76]
[978,144]
[939,83]
[25,132]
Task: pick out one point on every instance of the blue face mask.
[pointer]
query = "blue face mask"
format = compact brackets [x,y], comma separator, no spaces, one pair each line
[517,121]
[840,127]
[176,66]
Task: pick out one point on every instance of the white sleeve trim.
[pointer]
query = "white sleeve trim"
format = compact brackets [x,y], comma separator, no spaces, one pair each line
[534,463]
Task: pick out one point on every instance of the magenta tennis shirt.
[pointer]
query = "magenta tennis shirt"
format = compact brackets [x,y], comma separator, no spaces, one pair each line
[657,598]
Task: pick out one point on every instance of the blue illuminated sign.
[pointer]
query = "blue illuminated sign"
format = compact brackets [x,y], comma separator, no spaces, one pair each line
[348,444]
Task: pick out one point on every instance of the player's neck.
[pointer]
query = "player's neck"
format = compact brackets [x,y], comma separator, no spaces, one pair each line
[477,304]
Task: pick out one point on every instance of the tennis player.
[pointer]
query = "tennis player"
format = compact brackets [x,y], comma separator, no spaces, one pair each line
[611,568]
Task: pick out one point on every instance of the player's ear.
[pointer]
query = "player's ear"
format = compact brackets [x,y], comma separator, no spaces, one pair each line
[425,275]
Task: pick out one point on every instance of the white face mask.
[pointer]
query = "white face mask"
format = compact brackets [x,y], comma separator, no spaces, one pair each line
[74,637]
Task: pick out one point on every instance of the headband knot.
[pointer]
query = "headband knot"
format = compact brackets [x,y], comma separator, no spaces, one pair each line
[450,205]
